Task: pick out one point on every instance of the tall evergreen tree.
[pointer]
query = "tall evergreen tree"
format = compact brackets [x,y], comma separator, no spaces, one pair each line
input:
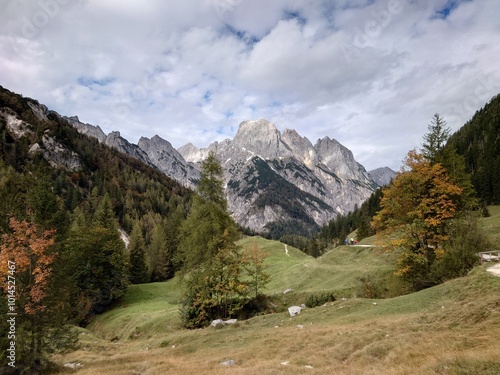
[208,227]
[97,262]
[104,215]
[209,254]
[437,150]
[158,254]
[138,273]
[435,139]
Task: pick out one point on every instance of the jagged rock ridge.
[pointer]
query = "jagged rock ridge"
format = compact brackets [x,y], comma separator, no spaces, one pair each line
[280,181]
[156,152]
[275,182]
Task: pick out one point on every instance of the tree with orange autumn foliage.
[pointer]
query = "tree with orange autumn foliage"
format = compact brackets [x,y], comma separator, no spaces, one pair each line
[415,212]
[26,262]
[27,248]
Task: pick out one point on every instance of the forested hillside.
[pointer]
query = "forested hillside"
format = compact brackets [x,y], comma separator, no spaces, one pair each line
[479,142]
[67,204]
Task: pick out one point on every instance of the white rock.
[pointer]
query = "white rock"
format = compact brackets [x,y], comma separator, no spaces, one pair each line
[294,310]
[73,365]
[216,322]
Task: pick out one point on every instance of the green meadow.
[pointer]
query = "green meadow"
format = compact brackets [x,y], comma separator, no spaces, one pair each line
[452,328]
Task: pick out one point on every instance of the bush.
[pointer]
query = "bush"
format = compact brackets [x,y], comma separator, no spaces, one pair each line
[370,287]
[319,299]
[467,238]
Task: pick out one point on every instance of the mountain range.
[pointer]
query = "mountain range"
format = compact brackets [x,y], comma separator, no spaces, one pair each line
[276,183]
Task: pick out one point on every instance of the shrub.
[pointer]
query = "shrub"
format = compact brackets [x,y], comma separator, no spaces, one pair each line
[319,299]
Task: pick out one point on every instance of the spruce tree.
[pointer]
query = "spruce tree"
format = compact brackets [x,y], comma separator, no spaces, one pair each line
[96,259]
[158,254]
[138,273]
[436,139]
[208,253]
[208,227]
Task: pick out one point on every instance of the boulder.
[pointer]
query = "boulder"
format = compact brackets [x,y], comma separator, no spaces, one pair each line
[217,322]
[294,310]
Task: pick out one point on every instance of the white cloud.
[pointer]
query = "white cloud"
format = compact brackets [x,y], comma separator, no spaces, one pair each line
[369,73]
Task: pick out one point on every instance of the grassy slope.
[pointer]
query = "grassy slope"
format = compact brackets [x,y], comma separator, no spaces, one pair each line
[449,329]
[491,225]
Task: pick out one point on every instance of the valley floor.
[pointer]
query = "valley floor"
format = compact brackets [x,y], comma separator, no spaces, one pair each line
[449,329]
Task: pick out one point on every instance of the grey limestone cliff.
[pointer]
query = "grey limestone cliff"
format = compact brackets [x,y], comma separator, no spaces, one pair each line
[382,176]
[275,179]
[168,160]
[87,129]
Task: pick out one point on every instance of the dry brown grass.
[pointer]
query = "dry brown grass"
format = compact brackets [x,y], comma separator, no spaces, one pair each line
[451,329]
[460,337]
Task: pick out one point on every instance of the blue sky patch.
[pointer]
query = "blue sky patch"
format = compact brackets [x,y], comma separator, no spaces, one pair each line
[89,81]
[242,35]
[294,15]
[450,6]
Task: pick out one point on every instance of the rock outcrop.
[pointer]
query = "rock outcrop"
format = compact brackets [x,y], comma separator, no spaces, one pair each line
[87,129]
[382,176]
[168,160]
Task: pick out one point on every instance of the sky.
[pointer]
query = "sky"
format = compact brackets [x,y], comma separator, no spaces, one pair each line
[368,73]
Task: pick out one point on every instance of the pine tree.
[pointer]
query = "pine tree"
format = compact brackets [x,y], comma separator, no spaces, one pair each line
[437,150]
[436,139]
[158,254]
[96,259]
[104,216]
[208,253]
[208,227]
[139,272]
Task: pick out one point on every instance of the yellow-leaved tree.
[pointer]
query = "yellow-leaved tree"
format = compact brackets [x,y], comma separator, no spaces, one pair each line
[415,212]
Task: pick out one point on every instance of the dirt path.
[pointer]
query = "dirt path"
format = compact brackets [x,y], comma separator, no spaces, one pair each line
[495,270]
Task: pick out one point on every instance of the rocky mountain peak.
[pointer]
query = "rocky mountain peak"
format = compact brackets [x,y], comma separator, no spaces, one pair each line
[260,138]
[382,176]
[167,159]
[277,182]
[300,147]
[87,129]
[192,154]
[257,128]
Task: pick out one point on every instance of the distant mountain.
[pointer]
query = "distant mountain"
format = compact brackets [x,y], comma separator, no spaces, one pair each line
[168,160]
[282,183]
[382,176]
[275,183]
[155,152]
